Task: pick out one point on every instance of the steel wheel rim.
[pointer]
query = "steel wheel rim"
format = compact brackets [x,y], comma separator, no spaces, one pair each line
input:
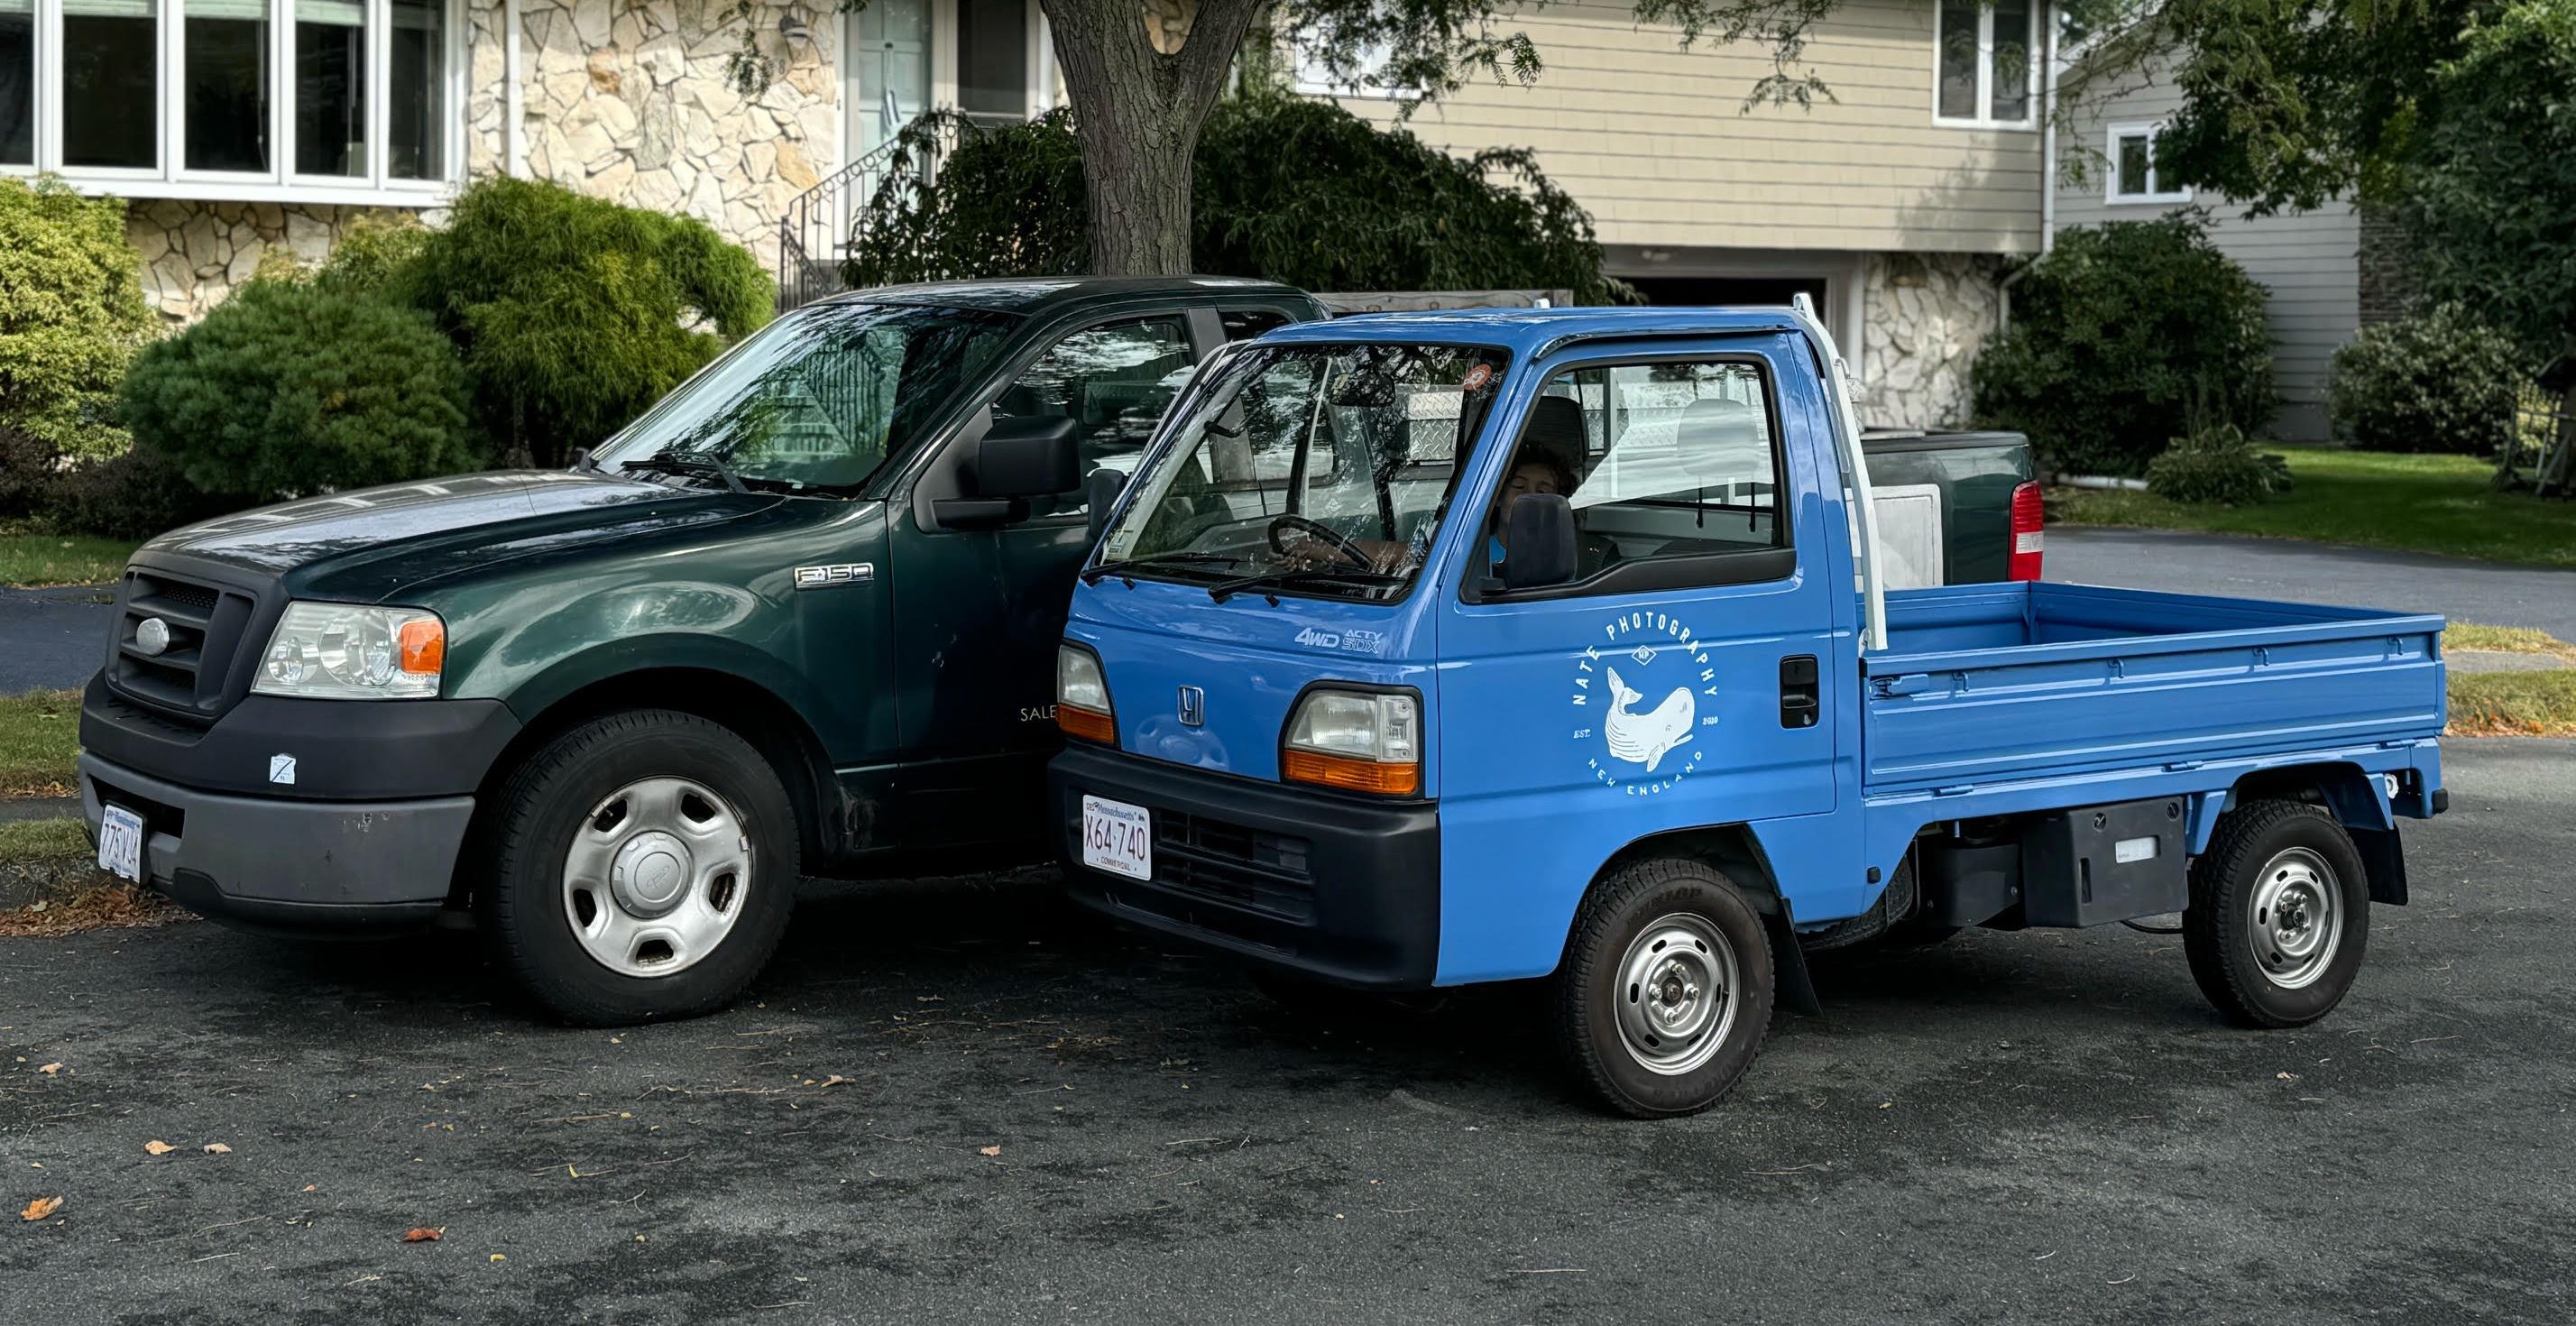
[1677,994]
[656,877]
[2294,918]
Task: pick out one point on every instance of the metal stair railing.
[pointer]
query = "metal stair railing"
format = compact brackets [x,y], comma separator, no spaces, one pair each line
[822,224]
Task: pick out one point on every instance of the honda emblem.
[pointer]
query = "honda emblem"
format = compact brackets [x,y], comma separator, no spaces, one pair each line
[1193,706]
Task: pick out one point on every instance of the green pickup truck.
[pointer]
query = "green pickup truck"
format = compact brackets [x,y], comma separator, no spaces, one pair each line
[799,619]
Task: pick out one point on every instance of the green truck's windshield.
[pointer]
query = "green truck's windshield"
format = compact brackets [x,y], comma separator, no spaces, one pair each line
[1322,468]
[816,400]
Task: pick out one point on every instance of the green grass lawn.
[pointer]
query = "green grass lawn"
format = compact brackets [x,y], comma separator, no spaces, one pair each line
[29,560]
[39,735]
[45,842]
[2434,504]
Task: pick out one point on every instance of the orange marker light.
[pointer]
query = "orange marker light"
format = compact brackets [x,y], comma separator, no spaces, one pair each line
[1088,724]
[1349,774]
[424,647]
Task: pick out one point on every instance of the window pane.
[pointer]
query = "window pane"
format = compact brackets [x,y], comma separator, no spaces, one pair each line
[227,82]
[1958,55]
[330,87]
[992,58]
[17,82]
[1113,382]
[417,139]
[2136,177]
[1666,460]
[109,91]
[1242,324]
[2012,60]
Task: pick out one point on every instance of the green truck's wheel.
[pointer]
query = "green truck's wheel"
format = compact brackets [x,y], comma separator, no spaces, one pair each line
[1666,988]
[639,867]
[2279,915]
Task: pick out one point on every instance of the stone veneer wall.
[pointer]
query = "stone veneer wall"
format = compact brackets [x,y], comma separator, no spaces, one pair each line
[1924,316]
[621,99]
[194,253]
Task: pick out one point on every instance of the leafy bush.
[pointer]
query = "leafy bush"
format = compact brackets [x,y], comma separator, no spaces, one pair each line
[71,315]
[2217,464]
[2123,336]
[2438,381]
[288,388]
[1286,188]
[574,314]
[132,496]
[377,255]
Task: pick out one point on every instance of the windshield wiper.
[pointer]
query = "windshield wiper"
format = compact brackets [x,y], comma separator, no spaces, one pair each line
[1223,590]
[1120,569]
[669,461]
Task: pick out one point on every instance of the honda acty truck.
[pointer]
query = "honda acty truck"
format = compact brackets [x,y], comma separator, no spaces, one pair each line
[1432,650]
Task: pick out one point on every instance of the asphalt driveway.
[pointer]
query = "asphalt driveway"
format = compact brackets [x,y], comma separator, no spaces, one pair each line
[51,639]
[2466,591]
[968,1104]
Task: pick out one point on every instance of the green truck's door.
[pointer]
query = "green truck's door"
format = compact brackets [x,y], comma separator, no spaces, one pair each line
[978,611]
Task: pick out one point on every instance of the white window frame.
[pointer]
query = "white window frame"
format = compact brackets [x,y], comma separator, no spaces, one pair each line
[172,178]
[2111,195]
[2041,15]
[1313,80]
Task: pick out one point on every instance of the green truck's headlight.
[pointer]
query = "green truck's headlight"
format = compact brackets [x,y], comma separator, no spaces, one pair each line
[351,651]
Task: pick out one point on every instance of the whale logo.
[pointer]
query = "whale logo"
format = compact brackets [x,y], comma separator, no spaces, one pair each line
[1648,737]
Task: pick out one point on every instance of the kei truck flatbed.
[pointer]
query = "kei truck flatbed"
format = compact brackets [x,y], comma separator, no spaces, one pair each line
[1432,650]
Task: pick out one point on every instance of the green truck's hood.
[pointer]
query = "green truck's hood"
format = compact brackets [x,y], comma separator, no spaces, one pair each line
[368,545]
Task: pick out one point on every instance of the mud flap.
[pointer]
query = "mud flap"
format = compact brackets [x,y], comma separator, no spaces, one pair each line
[1794,989]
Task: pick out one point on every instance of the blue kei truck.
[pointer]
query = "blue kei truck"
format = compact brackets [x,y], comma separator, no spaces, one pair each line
[1426,650]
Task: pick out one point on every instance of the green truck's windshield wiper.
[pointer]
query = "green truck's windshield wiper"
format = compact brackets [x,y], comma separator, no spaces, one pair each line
[668,461]
[1223,590]
[1092,575]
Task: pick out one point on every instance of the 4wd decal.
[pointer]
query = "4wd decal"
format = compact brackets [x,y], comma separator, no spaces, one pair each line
[1348,642]
[1640,686]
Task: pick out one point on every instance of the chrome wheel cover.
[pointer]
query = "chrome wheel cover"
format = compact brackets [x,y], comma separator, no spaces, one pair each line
[655,877]
[2294,918]
[1677,994]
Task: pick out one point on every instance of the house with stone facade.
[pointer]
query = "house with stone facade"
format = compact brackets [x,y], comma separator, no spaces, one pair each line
[237,127]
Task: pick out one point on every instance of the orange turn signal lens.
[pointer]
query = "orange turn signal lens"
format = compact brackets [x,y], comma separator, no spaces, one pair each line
[424,646]
[1349,774]
[1088,724]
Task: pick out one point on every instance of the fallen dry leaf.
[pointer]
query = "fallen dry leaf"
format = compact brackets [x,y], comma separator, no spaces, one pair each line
[42,1208]
[312,1187]
[990,1151]
[424,1234]
[50,1069]
[218,1149]
[158,1147]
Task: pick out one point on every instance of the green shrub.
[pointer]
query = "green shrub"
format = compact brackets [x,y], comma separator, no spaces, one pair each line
[2123,336]
[2217,465]
[1284,188]
[71,315]
[132,496]
[574,314]
[377,255]
[287,388]
[2437,381]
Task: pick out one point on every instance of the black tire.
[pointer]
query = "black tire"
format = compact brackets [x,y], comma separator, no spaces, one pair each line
[521,896]
[1592,983]
[2236,957]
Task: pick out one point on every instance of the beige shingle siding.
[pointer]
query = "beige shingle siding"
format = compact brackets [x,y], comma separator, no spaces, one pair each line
[1655,141]
[2305,262]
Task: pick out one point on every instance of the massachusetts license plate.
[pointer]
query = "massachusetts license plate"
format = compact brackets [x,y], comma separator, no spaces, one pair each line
[1118,838]
[120,844]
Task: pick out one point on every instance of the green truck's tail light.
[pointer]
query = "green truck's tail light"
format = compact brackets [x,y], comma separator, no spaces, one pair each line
[1082,696]
[1355,741]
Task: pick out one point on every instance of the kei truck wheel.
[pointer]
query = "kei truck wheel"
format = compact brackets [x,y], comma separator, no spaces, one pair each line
[1666,989]
[639,867]
[2279,915]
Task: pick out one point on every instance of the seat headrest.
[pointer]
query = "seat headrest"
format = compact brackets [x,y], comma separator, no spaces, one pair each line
[1714,421]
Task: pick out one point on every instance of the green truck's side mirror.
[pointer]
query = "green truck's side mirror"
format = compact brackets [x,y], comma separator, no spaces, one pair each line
[1016,459]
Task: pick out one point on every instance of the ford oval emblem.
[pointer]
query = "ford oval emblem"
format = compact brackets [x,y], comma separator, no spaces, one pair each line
[153,636]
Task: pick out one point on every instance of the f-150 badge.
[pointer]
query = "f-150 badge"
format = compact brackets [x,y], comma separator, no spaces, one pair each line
[839,573]
[1640,687]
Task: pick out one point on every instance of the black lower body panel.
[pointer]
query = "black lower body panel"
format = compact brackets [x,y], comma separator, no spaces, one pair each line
[1330,886]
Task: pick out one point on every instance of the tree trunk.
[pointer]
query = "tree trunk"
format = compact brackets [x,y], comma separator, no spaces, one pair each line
[1142,76]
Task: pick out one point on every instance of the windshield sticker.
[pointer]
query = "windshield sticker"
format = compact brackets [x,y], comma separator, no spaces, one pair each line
[1644,682]
[1476,377]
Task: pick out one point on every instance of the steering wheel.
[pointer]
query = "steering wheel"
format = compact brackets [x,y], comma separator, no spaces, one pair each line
[1332,538]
